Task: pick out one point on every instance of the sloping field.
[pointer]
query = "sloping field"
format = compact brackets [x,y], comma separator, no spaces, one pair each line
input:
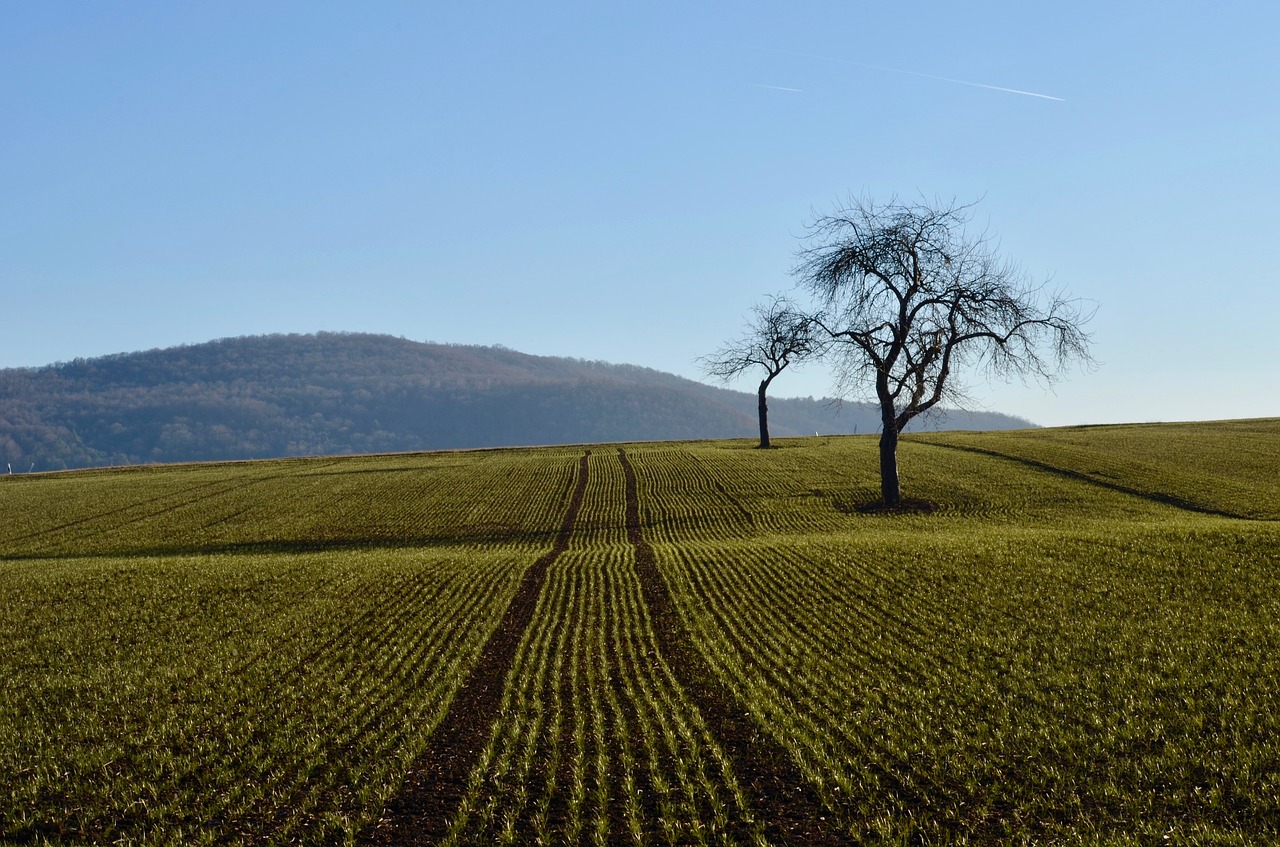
[1229,467]
[653,644]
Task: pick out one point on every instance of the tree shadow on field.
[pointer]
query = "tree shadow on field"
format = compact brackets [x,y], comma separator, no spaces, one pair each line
[849,506]
[472,536]
[906,506]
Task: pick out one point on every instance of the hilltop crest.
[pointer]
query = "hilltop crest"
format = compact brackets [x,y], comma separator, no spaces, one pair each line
[330,393]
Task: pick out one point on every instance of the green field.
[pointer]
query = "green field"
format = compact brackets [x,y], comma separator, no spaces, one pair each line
[1080,645]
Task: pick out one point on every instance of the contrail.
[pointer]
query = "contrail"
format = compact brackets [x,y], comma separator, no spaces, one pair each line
[923,75]
[777,87]
[957,81]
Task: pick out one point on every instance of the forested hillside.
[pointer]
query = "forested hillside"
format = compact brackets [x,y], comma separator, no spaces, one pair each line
[290,395]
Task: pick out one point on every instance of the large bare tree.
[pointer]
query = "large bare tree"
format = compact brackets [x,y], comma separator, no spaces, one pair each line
[778,334]
[909,297]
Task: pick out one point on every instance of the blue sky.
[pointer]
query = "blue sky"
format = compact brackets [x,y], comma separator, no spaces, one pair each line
[622,181]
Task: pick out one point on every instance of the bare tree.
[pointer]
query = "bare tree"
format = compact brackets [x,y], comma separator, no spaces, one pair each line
[778,334]
[909,297]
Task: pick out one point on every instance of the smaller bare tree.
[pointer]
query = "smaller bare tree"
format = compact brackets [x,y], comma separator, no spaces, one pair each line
[778,335]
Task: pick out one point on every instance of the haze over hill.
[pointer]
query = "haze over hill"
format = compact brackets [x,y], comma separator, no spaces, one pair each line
[291,395]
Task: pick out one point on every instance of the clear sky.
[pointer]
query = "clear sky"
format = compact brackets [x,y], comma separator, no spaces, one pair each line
[621,181]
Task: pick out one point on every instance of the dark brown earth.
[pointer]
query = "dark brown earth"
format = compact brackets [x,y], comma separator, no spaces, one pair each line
[434,788]
[777,791]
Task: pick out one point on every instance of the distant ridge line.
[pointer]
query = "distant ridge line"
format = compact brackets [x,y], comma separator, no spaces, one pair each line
[266,397]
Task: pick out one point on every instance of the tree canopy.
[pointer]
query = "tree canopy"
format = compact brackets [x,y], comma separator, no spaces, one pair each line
[910,297]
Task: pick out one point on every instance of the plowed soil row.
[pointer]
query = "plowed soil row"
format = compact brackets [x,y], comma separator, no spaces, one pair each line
[434,788]
[777,791]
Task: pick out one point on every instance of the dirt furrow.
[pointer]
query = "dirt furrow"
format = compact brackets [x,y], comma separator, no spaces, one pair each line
[777,790]
[434,788]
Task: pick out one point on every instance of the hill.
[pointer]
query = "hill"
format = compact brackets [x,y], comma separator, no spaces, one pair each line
[332,393]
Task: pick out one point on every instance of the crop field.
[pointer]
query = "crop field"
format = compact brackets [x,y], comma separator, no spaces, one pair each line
[653,644]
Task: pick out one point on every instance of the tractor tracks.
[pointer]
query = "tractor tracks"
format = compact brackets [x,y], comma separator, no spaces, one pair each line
[602,719]
[777,791]
[434,788]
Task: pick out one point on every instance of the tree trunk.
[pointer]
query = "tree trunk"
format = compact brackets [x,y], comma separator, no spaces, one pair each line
[763,407]
[890,489]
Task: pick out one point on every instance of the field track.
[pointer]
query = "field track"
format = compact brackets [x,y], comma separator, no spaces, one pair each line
[435,785]
[1154,496]
[786,811]
[774,785]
